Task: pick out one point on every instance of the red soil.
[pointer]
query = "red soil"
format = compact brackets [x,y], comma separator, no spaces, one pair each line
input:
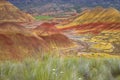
[95,27]
[47,28]
[16,43]
[58,39]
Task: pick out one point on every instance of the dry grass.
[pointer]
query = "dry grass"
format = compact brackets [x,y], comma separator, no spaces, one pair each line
[56,68]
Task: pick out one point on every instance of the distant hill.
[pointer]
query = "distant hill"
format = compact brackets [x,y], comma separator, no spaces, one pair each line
[98,14]
[94,20]
[46,29]
[10,13]
[95,15]
[61,6]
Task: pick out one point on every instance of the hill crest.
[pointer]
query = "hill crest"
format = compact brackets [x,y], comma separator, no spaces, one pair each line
[95,15]
[10,13]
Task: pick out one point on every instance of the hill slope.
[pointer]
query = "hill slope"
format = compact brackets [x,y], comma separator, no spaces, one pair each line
[17,42]
[51,35]
[10,13]
[95,15]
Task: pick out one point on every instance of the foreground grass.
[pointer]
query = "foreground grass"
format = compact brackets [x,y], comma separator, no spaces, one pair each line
[54,68]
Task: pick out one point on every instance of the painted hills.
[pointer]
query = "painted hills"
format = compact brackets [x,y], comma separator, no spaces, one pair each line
[17,41]
[96,19]
[46,29]
[10,13]
[50,34]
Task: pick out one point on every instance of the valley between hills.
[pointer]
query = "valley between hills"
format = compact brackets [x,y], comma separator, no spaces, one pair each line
[59,40]
[92,31]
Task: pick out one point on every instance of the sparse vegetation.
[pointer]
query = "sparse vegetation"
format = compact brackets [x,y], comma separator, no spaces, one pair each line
[54,68]
[43,17]
[106,42]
